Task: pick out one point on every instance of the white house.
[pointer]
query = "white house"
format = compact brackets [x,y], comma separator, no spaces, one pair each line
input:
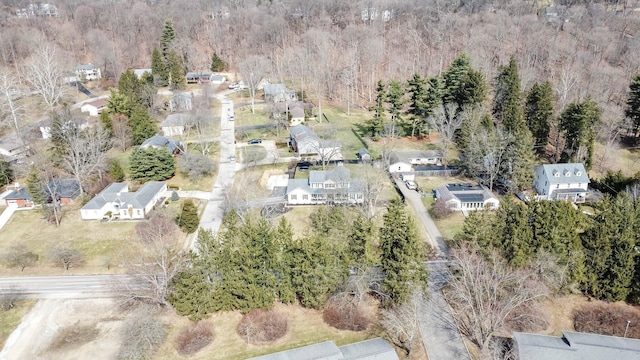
[326,187]
[117,202]
[561,182]
[88,72]
[95,107]
[405,161]
[460,197]
[175,124]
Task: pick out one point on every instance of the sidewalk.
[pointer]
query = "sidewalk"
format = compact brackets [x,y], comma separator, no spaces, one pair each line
[6,215]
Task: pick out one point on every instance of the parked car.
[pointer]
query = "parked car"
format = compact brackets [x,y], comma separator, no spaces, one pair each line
[254,141]
[411,185]
[234,86]
[231,118]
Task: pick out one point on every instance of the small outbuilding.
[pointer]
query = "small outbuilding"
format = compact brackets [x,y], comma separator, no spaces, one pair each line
[95,107]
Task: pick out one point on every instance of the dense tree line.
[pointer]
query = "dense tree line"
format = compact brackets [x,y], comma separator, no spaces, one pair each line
[253,264]
[596,254]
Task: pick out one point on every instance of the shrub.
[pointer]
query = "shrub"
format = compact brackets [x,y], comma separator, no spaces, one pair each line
[608,319]
[141,336]
[262,326]
[194,338]
[440,209]
[174,196]
[196,165]
[345,316]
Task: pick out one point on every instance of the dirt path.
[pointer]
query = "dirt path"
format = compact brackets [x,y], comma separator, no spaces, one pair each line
[39,334]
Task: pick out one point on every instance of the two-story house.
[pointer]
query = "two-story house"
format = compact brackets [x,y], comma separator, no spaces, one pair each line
[326,187]
[88,72]
[304,141]
[561,182]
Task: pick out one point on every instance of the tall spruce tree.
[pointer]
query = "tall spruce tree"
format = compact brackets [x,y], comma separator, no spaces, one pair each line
[402,255]
[375,125]
[130,87]
[454,79]
[360,248]
[166,39]
[538,113]
[473,91]
[578,122]
[159,68]
[633,104]
[419,108]
[515,235]
[177,78]
[6,173]
[142,126]
[508,111]
[395,100]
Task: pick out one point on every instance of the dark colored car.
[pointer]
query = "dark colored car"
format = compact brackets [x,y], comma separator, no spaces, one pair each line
[254,141]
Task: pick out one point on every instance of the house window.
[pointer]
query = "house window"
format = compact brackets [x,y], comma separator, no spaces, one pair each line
[293,197]
[399,168]
[557,186]
[305,197]
[138,212]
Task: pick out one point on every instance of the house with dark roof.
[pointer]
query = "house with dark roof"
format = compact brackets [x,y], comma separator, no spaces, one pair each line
[568,182]
[405,161]
[159,142]
[373,349]
[575,346]
[326,187]
[464,197]
[64,190]
[175,124]
[116,201]
[19,197]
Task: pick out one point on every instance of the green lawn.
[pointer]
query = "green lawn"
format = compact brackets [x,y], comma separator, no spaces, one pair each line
[451,225]
[10,319]
[251,154]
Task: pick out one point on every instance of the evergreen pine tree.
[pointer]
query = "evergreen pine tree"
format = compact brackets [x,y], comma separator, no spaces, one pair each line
[217,64]
[166,39]
[151,164]
[142,126]
[159,68]
[454,79]
[403,255]
[360,253]
[578,122]
[538,113]
[376,124]
[395,100]
[188,219]
[633,104]
[419,109]
[130,87]
[473,91]
[115,170]
[36,185]
[516,237]
[6,173]
[177,78]
[192,294]
[118,103]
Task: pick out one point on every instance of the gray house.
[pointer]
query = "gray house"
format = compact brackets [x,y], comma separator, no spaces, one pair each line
[305,141]
[116,201]
[326,187]
[181,101]
[158,142]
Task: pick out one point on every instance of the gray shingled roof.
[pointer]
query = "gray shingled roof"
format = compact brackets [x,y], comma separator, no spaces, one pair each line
[137,199]
[64,188]
[177,119]
[374,349]
[339,173]
[158,141]
[274,89]
[404,156]
[575,345]
[300,131]
[576,171]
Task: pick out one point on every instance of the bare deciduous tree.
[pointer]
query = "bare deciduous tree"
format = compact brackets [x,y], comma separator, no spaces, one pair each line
[65,255]
[9,92]
[402,322]
[121,131]
[483,293]
[374,181]
[445,120]
[9,296]
[253,69]
[45,73]
[18,255]
[86,153]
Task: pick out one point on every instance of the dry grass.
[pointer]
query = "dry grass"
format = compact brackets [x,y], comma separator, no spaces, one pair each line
[627,161]
[74,335]
[101,243]
[559,313]
[10,319]
[451,225]
[305,327]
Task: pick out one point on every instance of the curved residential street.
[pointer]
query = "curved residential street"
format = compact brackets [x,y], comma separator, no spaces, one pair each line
[440,334]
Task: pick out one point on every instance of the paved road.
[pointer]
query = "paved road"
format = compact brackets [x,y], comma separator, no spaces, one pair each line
[61,286]
[211,218]
[440,334]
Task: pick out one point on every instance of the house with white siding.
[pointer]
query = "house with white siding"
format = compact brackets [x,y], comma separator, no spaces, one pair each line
[326,187]
[405,161]
[466,197]
[117,202]
[567,182]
